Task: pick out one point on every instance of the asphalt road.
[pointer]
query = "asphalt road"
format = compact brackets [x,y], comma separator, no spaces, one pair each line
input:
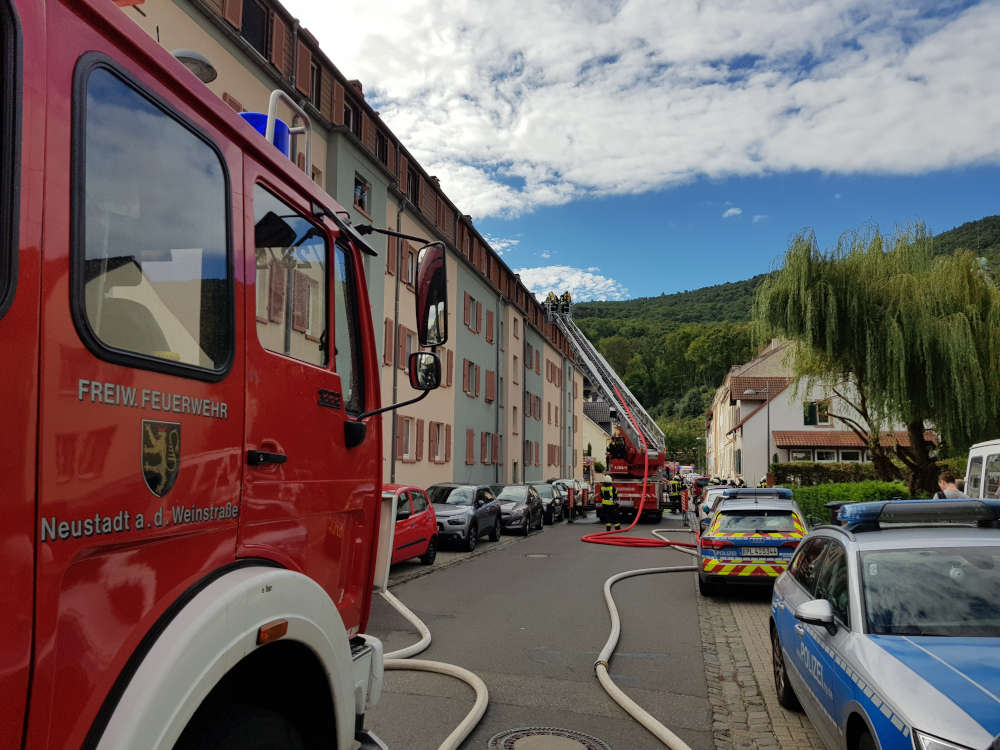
[529,618]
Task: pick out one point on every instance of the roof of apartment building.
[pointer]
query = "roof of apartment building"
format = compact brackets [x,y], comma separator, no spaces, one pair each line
[839,439]
[599,412]
[739,385]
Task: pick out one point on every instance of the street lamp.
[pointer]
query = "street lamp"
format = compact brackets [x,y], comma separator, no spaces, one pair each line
[766,393]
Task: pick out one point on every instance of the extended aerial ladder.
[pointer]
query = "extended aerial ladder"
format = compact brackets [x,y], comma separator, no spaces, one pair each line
[626,460]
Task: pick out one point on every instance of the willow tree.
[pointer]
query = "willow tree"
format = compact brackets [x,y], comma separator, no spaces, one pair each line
[916,336]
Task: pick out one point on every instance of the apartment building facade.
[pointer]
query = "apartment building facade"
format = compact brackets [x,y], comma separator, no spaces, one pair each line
[497,417]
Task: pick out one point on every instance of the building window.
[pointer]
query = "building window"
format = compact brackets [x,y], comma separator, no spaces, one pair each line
[816,412]
[315,77]
[362,194]
[349,116]
[514,420]
[800,454]
[405,424]
[513,375]
[382,147]
[850,456]
[256,26]
[413,186]
[356,124]
[824,455]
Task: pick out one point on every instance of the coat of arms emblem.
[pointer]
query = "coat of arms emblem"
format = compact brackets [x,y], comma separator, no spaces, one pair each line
[161,455]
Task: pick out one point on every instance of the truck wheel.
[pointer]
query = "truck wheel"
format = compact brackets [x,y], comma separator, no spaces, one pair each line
[431,553]
[786,696]
[470,541]
[241,728]
[495,533]
[658,517]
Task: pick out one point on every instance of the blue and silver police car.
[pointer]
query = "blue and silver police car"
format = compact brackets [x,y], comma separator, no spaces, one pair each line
[886,629]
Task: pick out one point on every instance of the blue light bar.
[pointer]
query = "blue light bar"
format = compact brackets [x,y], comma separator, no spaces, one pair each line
[959,510]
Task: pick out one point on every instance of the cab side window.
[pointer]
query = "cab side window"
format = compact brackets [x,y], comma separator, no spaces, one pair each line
[10,71]
[292,281]
[152,285]
[831,580]
[992,476]
[805,565]
[347,341]
[419,502]
[975,484]
[402,504]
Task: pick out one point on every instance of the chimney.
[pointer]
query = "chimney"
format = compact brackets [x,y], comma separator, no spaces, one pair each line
[435,180]
[356,85]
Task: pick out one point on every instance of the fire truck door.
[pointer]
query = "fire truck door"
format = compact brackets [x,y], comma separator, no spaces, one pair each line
[20,234]
[305,489]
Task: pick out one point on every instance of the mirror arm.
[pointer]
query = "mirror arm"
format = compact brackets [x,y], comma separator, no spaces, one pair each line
[372,413]
[368,229]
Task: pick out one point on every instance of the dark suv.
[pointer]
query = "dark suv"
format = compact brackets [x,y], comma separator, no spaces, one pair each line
[465,512]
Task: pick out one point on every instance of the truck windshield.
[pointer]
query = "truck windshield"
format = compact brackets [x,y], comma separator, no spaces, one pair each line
[938,591]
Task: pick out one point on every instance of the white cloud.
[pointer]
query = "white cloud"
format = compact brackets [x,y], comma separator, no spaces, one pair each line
[546,255]
[502,245]
[518,105]
[732,212]
[836,196]
[583,285]
[759,217]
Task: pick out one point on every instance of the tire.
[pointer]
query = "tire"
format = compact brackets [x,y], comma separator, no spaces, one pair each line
[495,531]
[547,517]
[241,727]
[430,554]
[541,522]
[705,588]
[783,688]
[658,517]
[472,538]
[526,526]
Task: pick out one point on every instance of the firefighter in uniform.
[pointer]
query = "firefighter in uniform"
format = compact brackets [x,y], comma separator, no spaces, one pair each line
[762,482]
[675,492]
[609,505]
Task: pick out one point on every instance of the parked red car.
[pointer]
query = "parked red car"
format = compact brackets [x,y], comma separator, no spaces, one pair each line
[416,524]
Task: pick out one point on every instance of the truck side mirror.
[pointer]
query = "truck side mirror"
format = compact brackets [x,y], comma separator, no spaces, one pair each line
[425,371]
[432,295]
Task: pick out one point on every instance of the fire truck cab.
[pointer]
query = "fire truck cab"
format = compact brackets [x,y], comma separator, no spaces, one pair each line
[190,466]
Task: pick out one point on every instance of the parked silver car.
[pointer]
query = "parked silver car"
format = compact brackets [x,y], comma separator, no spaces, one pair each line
[465,512]
[886,629]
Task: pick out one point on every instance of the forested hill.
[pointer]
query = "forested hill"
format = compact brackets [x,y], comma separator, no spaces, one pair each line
[674,350]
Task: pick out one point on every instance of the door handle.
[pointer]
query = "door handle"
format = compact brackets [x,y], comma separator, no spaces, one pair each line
[259,458]
[800,629]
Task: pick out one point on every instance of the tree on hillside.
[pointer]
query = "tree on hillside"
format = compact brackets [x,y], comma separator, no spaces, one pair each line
[918,336]
[717,349]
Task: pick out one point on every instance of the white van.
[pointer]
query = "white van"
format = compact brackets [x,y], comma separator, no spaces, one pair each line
[982,476]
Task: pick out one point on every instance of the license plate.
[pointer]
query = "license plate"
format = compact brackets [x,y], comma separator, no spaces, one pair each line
[751,552]
[626,503]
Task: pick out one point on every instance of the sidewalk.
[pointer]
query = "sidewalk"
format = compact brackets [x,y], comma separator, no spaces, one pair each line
[737,650]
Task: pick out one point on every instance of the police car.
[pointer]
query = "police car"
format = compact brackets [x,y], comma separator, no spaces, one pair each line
[748,540]
[886,629]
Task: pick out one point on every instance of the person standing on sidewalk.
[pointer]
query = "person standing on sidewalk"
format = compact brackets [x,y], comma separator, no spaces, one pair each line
[609,506]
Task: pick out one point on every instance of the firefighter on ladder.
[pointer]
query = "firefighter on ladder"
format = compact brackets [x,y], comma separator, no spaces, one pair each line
[609,505]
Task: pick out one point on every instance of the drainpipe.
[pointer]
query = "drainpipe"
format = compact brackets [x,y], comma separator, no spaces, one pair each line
[395,333]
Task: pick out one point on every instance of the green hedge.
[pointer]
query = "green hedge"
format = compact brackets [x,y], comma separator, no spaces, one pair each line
[813,500]
[811,473]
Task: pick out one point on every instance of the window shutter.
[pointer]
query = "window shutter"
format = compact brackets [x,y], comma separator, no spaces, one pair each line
[420,440]
[402,169]
[232,11]
[489,326]
[276,297]
[387,343]
[538,453]
[300,302]
[401,347]
[447,443]
[338,103]
[477,381]
[451,366]
[465,376]
[479,317]
[811,413]
[483,441]
[400,426]
[303,67]
[496,449]
[538,365]
[279,40]
[467,304]
[470,449]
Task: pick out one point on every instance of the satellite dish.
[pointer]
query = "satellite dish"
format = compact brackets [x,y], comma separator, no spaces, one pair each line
[197,63]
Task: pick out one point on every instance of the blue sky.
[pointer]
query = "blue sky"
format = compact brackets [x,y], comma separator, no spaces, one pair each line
[629,148]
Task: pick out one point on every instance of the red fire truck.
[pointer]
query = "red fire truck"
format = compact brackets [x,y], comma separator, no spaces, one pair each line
[191,465]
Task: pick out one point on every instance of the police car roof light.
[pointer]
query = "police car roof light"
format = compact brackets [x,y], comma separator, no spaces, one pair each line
[869,516]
